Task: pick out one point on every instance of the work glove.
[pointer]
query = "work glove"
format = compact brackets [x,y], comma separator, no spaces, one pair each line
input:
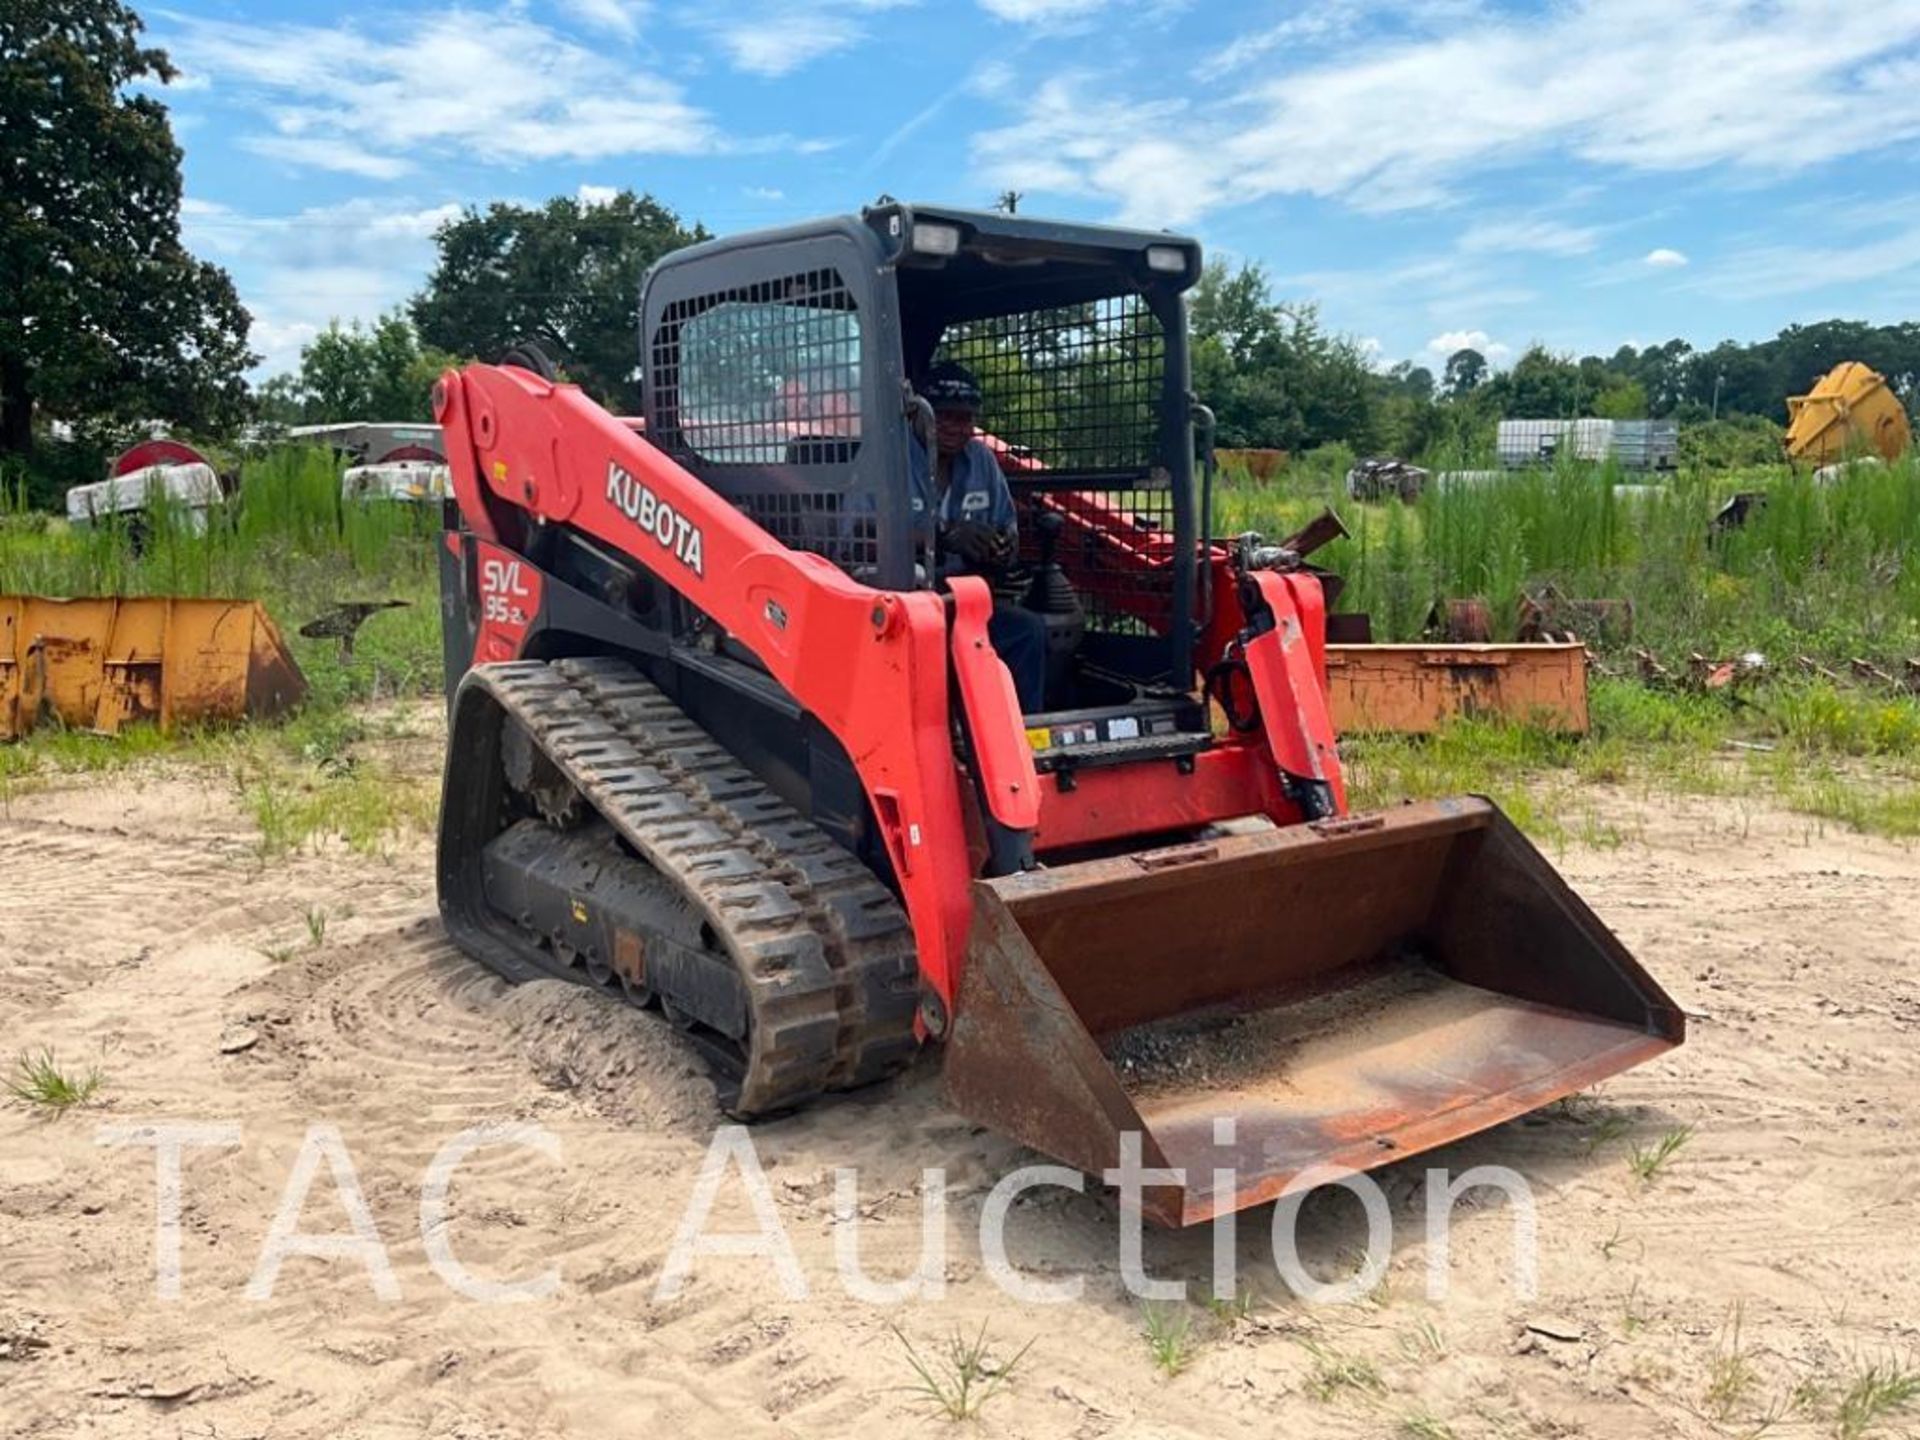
[979,544]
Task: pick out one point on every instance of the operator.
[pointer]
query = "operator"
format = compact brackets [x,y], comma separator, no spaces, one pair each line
[966,509]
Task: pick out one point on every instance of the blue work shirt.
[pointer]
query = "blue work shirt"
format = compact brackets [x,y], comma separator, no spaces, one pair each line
[976,490]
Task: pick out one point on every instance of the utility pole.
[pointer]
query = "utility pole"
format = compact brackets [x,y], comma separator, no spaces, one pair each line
[1718,381]
[1009,202]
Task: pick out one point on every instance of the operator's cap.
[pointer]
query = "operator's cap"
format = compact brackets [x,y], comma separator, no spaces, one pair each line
[951,386]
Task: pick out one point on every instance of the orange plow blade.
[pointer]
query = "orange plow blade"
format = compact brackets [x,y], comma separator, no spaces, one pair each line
[1346,994]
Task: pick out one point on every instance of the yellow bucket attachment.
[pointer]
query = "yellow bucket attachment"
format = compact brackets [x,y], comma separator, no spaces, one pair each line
[1346,994]
[104,662]
[1417,689]
[1851,410]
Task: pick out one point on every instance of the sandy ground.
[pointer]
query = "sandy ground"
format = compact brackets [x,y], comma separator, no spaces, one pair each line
[139,930]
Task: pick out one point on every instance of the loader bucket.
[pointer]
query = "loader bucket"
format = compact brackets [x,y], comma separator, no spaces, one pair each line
[103,662]
[1346,994]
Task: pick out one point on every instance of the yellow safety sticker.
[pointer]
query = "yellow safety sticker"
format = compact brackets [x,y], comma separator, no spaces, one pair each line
[1040,739]
[579,913]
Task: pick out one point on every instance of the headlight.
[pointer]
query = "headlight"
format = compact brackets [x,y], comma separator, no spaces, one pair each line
[929,239]
[1167,259]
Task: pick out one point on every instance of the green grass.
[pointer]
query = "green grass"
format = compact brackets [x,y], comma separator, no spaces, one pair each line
[960,1377]
[297,806]
[1731,1375]
[1830,752]
[1820,570]
[1877,1391]
[1825,572]
[1335,1373]
[1423,1343]
[1649,1162]
[1168,1331]
[1230,1310]
[302,782]
[1633,1319]
[39,1082]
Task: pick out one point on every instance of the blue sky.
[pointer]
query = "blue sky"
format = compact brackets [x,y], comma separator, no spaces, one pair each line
[1432,173]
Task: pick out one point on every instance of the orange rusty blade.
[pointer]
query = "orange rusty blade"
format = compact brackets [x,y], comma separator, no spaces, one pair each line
[1346,996]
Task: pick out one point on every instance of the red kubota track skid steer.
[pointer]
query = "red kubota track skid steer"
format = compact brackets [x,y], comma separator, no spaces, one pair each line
[719,744]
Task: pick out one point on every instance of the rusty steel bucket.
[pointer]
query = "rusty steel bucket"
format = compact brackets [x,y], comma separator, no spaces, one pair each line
[1347,994]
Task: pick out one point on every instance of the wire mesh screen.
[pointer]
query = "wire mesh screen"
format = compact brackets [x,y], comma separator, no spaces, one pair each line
[1077,392]
[768,374]
[840,527]
[1078,388]
[1117,548]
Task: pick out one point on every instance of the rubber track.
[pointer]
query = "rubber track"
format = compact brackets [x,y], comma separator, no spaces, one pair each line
[825,949]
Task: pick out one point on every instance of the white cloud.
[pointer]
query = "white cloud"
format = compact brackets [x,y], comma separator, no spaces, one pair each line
[595,195]
[321,236]
[1309,27]
[1391,300]
[1765,272]
[1040,12]
[323,152]
[988,79]
[1444,345]
[1638,85]
[776,37]
[618,17]
[277,343]
[1328,25]
[763,192]
[1529,236]
[1375,353]
[297,272]
[495,88]
[1665,259]
[1075,142]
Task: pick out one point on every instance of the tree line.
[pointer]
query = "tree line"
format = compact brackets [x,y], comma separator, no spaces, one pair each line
[107,321]
[1276,377]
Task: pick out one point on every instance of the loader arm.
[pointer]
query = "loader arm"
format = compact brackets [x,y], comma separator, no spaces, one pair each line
[547,450]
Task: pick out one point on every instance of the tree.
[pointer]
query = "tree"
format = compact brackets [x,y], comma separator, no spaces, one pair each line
[358,372]
[1413,381]
[1465,372]
[103,313]
[1622,400]
[1235,308]
[1274,375]
[567,273]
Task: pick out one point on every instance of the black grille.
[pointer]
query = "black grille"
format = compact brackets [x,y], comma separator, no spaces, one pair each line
[1073,399]
[763,380]
[840,527]
[1077,388]
[1117,548]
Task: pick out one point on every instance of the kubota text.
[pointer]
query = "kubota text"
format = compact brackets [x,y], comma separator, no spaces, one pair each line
[672,530]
